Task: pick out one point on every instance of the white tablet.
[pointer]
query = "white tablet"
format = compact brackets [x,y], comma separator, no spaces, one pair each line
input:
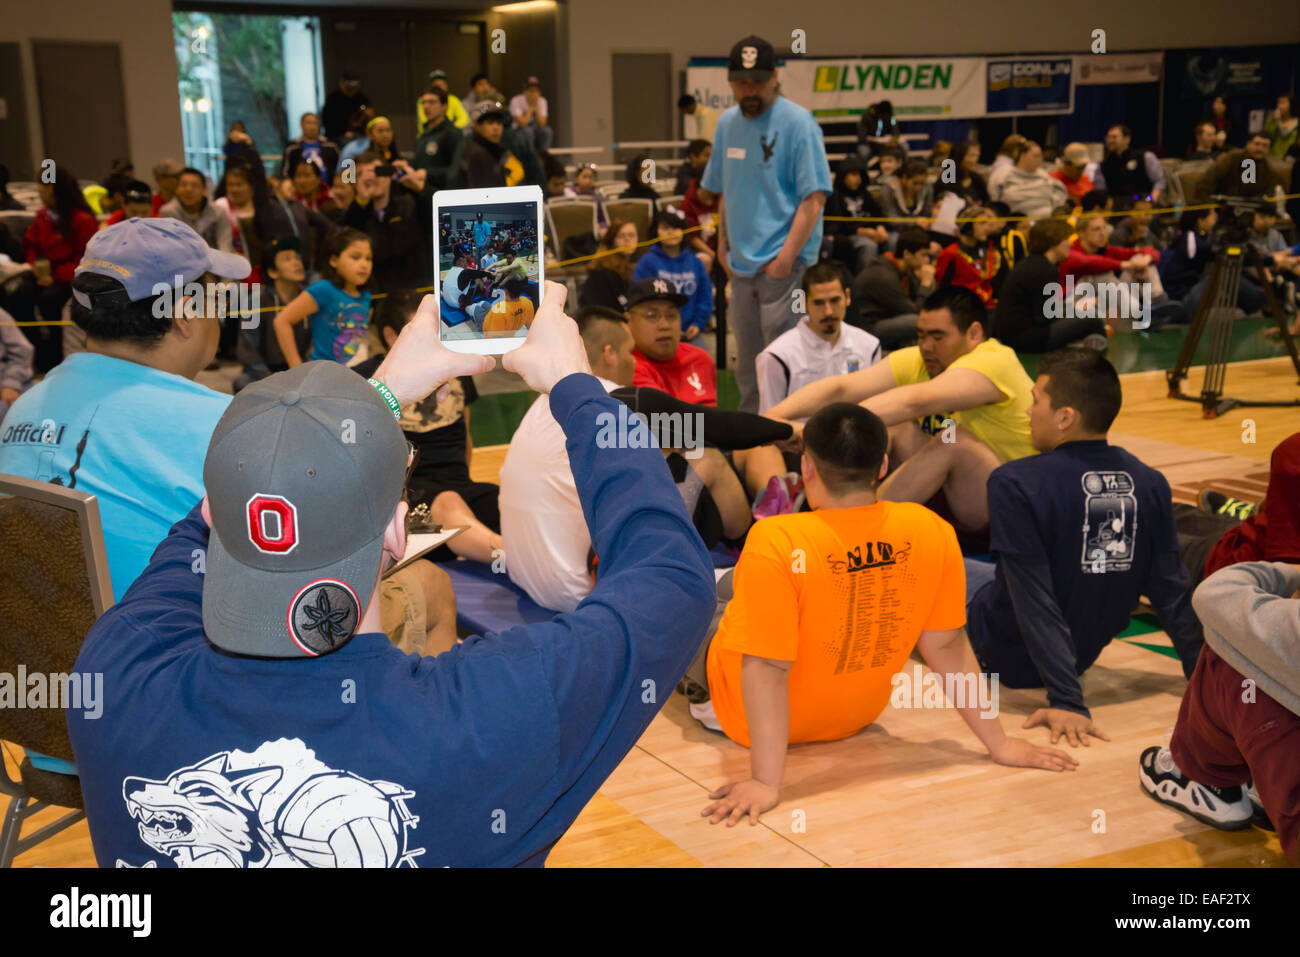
[487,247]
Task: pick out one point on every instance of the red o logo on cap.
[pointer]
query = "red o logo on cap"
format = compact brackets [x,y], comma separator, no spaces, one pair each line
[272,524]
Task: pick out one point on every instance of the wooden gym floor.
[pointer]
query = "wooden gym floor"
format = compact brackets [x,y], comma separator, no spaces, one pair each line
[915,788]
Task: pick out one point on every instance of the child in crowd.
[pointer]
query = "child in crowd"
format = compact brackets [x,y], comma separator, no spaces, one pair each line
[258,348]
[697,157]
[584,187]
[1191,254]
[854,244]
[668,259]
[1140,227]
[337,307]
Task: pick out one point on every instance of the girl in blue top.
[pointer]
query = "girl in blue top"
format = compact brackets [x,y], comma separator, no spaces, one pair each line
[338,306]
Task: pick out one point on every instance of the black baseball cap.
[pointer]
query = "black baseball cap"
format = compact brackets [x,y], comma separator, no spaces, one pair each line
[303,473]
[644,290]
[137,191]
[671,216]
[490,108]
[752,59]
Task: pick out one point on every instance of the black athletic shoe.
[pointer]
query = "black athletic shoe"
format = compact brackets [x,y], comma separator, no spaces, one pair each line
[1216,503]
[1260,817]
[1228,809]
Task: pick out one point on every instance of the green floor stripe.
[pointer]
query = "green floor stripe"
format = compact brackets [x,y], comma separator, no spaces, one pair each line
[1166,650]
[1140,625]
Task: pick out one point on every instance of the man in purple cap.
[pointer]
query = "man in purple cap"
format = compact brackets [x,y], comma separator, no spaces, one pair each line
[769,167]
[256,716]
[531,113]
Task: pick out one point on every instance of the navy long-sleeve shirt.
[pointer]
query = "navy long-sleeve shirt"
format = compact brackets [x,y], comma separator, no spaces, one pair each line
[482,756]
[1079,534]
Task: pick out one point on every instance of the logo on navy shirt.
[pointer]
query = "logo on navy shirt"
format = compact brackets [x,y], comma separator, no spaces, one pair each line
[1109,522]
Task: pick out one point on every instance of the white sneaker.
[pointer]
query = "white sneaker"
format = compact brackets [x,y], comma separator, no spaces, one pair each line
[1225,808]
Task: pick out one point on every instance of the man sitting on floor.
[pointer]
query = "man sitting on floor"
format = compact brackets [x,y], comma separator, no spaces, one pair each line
[955,407]
[820,345]
[827,607]
[1232,758]
[1080,533]
[663,361]
[546,539]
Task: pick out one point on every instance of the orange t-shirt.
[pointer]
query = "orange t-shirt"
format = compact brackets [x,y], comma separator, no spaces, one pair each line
[507,318]
[844,593]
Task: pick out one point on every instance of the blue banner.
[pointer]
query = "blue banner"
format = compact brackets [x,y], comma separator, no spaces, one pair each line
[1030,85]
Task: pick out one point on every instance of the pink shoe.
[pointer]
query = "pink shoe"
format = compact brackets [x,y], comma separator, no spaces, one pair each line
[773,500]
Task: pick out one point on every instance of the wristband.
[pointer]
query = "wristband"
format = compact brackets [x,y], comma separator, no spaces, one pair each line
[386,394]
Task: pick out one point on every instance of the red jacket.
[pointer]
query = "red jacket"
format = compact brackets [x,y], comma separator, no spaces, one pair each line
[1074,187]
[1110,259]
[690,375]
[45,241]
[955,268]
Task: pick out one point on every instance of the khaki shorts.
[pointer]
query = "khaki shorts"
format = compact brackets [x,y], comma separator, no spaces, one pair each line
[402,611]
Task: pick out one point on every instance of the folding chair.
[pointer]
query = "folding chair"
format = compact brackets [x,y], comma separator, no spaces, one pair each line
[638,211]
[54,583]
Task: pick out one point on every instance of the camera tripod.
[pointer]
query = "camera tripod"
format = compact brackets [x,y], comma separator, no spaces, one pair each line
[1216,311]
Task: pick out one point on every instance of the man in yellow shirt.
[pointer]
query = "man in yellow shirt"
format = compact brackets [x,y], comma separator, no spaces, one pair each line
[456,112]
[956,406]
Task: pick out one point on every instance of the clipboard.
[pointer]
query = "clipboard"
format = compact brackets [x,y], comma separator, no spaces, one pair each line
[419,544]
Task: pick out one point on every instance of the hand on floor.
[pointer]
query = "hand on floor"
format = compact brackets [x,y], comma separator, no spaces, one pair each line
[1019,753]
[734,801]
[1075,728]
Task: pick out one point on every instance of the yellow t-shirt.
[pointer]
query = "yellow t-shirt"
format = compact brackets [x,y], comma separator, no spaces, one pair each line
[1002,426]
[506,318]
[844,593]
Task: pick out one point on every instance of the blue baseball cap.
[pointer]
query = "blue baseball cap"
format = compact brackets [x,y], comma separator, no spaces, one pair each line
[143,253]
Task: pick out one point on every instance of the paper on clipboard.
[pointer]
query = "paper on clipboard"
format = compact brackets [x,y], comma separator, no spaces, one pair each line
[420,543]
[945,217]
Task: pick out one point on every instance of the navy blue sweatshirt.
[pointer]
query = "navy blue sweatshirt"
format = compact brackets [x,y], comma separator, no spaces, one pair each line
[1185,263]
[1079,534]
[482,756]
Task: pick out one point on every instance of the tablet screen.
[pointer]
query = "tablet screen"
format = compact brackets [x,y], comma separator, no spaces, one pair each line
[487,270]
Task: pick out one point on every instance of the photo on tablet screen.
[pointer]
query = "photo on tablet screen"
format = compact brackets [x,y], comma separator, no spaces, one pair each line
[487,270]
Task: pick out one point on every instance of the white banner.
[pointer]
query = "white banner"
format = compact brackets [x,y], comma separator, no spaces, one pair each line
[1100,68]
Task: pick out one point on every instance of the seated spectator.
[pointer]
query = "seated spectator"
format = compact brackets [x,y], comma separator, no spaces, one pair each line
[766,678]
[1231,758]
[1011,148]
[193,208]
[609,274]
[886,164]
[1220,117]
[380,140]
[1251,298]
[1282,127]
[455,109]
[940,151]
[481,90]
[532,115]
[584,187]
[542,524]
[967,181]
[239,146]
[957,381]
[668,259]
[1073,174]
[1059,592]
[877,129]
[697,212]
[1188,259]
[1117,268]
[663,361]
[973,261]
[1274,251]
[439,150]
[258,348]
[1025,185]
[15,363]
[392,219]
[166,173]
[697,157]
[336,308]
[1126,172]
[1024,317]
[1139,228]
[515,706]
[907,194]
[137,203]
[888,294]
[309,188]
[637,188]
[487,161]
[557,178]
[439,486]
[1013,239]
[53,246]
[308,146]
[1205,143]
[342,195]
[820,345]
[853,243]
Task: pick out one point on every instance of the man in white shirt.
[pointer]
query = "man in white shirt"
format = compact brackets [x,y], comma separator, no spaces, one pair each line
[532,113]
[820,345]
[699,121]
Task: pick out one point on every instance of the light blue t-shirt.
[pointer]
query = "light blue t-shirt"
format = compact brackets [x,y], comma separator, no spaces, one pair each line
[338,326]
[132,436]
[481,231]
[764,168]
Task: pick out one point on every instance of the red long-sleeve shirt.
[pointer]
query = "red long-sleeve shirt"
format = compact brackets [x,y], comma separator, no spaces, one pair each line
[1108,259]
[44,240]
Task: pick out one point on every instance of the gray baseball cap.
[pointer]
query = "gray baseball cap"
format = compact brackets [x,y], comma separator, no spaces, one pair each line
[142,254]
[302,474]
